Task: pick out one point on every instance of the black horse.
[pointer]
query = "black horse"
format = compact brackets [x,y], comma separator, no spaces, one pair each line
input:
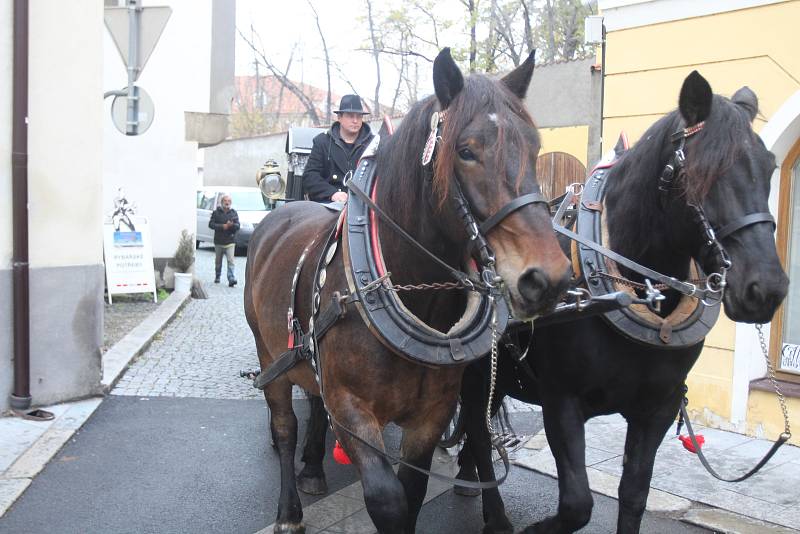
[585,368]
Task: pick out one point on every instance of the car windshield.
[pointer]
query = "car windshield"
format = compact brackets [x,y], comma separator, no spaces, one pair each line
[247,201]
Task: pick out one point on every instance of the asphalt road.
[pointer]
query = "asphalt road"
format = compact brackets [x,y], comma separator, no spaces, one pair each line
[181,447]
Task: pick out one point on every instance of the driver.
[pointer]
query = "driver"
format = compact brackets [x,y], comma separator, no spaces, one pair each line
[335,153]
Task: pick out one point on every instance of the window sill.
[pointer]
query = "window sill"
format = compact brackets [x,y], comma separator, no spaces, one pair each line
[789,389]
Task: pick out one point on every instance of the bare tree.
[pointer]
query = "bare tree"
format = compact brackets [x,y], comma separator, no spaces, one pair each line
[328,106]
[306,102]
[376,53]
[472,25]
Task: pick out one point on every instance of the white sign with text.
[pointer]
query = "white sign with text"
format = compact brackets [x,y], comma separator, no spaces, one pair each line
[129,259]
[790,358]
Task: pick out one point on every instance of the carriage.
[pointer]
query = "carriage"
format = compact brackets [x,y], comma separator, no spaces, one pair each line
[455,197]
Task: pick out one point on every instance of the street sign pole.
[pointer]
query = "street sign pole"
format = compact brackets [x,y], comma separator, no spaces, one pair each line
[135,31]
[134,14]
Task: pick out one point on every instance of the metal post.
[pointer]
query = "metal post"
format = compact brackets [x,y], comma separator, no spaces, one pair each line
[134,16]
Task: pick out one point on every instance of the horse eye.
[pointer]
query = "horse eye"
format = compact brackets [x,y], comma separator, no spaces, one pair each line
[466,154]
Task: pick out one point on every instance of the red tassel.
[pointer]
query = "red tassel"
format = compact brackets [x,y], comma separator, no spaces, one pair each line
[687,442]
[340,455]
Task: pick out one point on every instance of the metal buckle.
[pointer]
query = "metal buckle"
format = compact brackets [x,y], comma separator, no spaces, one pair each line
[653,297]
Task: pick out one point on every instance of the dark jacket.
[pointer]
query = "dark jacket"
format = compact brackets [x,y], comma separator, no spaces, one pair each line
[218,218]
[330,161]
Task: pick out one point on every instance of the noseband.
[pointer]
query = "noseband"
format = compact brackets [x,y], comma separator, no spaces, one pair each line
[712,238]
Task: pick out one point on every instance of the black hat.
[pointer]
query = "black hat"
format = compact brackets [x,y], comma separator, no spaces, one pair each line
[351,104]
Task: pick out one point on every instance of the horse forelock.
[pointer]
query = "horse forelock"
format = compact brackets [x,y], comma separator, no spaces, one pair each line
[482,95]
[726,136]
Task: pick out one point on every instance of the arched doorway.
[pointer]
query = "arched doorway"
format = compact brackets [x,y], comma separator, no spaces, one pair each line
[556,170]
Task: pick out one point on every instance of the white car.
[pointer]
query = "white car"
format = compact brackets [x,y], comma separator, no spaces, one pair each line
[248,203]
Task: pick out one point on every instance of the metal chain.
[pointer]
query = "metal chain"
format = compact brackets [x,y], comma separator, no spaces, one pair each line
[375,284]
[771,375]
[493,369]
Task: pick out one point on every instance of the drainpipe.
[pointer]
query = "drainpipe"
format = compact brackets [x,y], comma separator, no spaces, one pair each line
[21,396]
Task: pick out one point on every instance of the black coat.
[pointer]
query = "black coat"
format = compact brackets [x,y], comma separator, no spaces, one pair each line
[330,161]
[218,219]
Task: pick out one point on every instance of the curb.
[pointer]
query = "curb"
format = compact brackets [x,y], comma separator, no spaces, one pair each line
[116,360]
[70,417]
[661,502]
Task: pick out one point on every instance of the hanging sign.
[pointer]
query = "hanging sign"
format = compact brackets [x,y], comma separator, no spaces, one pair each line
[129,258]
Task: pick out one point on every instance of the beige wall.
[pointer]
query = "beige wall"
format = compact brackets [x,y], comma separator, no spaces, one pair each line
[570,139]
[65,140]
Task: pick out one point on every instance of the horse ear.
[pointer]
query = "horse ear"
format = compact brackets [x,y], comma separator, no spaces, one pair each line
[694,102]
[519,79]
[447,78]
[746,98]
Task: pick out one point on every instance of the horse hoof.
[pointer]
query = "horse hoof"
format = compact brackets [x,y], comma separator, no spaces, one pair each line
[312,485]
[289,528]
[466,492]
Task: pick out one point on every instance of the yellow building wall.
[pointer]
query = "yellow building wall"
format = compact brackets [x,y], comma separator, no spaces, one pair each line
[573,140]
[645,67]
[765,419]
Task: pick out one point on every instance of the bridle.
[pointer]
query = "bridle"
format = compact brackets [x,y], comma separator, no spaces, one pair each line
[676,167]
[477,231]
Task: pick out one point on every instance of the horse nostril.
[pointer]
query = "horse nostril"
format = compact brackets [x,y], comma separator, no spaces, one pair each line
[754,294]
[533,285]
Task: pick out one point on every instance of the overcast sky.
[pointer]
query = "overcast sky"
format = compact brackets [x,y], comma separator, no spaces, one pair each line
[283,23]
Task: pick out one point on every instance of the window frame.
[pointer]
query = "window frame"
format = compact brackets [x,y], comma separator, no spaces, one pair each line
[782,244]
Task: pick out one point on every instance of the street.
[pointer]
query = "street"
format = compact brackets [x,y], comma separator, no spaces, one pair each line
[181,445]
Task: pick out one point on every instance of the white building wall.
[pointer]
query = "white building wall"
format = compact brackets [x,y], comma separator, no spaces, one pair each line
[64,138]
[158,169]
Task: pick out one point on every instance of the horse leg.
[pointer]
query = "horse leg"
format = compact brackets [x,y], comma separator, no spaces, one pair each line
[311,479]
[477,451]
[418,447]
[283,426]
[641,443]
[384,495]
[563,423]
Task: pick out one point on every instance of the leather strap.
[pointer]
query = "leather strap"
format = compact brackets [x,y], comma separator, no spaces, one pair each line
[747,220]
[775,446]
[285,361]
[531,198]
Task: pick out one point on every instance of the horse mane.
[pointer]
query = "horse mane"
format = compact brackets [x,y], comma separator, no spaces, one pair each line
[399,157]
[632,182]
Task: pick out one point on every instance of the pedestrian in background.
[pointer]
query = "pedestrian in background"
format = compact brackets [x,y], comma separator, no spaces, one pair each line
[335,153]
[225,223]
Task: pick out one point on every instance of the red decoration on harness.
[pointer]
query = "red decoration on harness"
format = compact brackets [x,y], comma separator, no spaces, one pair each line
[687,442]
[340,455]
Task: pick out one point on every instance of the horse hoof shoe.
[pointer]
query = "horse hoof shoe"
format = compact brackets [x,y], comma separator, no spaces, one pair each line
[312,486]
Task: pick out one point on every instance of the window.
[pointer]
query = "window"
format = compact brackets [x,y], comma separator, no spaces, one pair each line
[785,342]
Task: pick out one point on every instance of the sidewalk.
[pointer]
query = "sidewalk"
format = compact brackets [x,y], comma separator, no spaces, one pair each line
[27,446]
[767,502]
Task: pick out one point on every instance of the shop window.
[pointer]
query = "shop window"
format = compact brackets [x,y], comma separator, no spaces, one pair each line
[785,342]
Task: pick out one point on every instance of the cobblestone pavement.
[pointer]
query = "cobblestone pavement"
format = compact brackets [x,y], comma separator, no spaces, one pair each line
[202,351]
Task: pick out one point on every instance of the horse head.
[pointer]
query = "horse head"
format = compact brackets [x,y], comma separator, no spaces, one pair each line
[487,156]
[728,172]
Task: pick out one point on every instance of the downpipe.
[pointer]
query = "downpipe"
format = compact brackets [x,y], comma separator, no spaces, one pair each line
[21,396]
[20,399]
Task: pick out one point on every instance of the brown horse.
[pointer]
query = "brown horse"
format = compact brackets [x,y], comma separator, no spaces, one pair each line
[487,150]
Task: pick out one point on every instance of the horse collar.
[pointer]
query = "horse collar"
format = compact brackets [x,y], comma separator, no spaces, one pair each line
[685,327]
[383,311]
